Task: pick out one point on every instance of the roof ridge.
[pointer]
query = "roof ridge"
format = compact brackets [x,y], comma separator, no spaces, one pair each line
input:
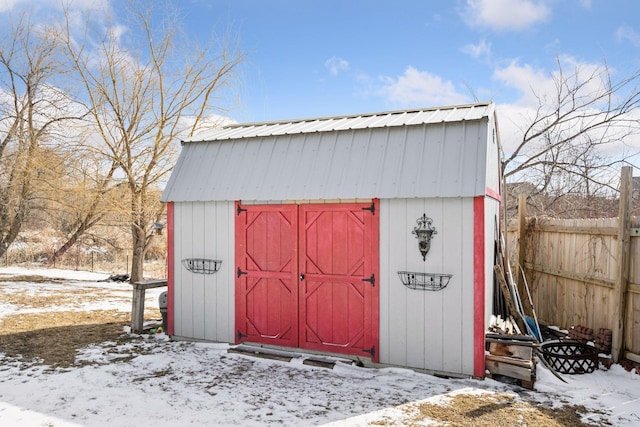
[416,116]
[353,116]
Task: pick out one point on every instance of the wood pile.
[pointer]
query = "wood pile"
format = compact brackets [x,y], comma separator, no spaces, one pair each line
[512,356]
[512,353]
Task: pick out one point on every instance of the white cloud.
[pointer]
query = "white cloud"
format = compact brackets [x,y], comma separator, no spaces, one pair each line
[42,14]
[95,5]
[505,14]
[586,4]
[626,33]
[477,50]
[538,85]
[512,121]
[420,88]
[530,82]
[538,89]
[6,5]
[117,31]
[101,6]
[336,65]
[514,118]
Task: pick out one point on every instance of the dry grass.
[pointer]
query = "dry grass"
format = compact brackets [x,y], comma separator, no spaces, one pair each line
[57,346]
[496,410]
[53,337]
[22,323]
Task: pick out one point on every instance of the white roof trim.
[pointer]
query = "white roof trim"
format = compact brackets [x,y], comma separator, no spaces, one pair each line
[350,122]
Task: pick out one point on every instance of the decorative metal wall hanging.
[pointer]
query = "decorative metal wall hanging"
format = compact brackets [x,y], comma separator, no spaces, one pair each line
[424,281]
[201,265]
[158,226]
[424,231]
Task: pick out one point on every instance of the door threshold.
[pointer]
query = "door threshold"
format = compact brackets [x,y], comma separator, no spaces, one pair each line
[321,361]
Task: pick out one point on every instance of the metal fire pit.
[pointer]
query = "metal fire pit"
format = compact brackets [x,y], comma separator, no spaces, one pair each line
[570,357]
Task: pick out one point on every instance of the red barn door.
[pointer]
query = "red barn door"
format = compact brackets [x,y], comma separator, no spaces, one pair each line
[266,274]
[338,267]
[306,277]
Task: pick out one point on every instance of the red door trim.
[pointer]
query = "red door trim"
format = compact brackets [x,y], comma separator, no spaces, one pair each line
[375,259]
[170,268]
[478,286]
[239,255]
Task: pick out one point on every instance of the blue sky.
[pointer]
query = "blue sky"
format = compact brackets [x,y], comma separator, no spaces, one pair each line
[310,59]
[325,58]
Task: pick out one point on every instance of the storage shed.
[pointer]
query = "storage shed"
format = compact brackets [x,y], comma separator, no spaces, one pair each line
[370,236]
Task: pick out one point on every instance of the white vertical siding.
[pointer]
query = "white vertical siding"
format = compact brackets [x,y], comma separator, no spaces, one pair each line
[183,285]
[198,280]
[427,329]
[204,303]
[430,330]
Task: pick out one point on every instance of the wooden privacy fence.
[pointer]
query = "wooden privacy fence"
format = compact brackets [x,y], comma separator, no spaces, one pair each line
[584,271]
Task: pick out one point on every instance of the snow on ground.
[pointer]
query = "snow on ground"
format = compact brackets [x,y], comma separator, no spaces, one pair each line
[150,380]
[120,293]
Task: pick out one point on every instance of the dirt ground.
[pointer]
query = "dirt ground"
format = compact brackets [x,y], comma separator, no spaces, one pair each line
[52,338]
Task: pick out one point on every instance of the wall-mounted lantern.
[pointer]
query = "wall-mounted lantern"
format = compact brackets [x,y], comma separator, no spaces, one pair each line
[424,231]
[158,226]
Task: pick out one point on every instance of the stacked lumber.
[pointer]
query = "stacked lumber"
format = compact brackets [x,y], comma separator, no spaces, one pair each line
[512,356]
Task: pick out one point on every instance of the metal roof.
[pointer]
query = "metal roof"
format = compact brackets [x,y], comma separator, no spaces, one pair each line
[338,123]
[440,152]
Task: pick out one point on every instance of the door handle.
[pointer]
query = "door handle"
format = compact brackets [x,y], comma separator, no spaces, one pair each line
[301,276]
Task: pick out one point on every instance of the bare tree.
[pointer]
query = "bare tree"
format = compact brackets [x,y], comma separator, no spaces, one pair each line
[145,96]
[32,112]
[83,198]
[560,150]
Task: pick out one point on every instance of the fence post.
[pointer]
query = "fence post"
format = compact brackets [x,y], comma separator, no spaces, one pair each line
[622,274]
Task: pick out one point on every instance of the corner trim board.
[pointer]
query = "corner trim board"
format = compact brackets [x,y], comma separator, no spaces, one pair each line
[478,285]
[170,268]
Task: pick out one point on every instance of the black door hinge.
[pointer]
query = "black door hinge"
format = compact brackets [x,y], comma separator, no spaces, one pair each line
[239,210]
[240,272]
[371,280]
[371,208]
[241,335]
[371,351]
